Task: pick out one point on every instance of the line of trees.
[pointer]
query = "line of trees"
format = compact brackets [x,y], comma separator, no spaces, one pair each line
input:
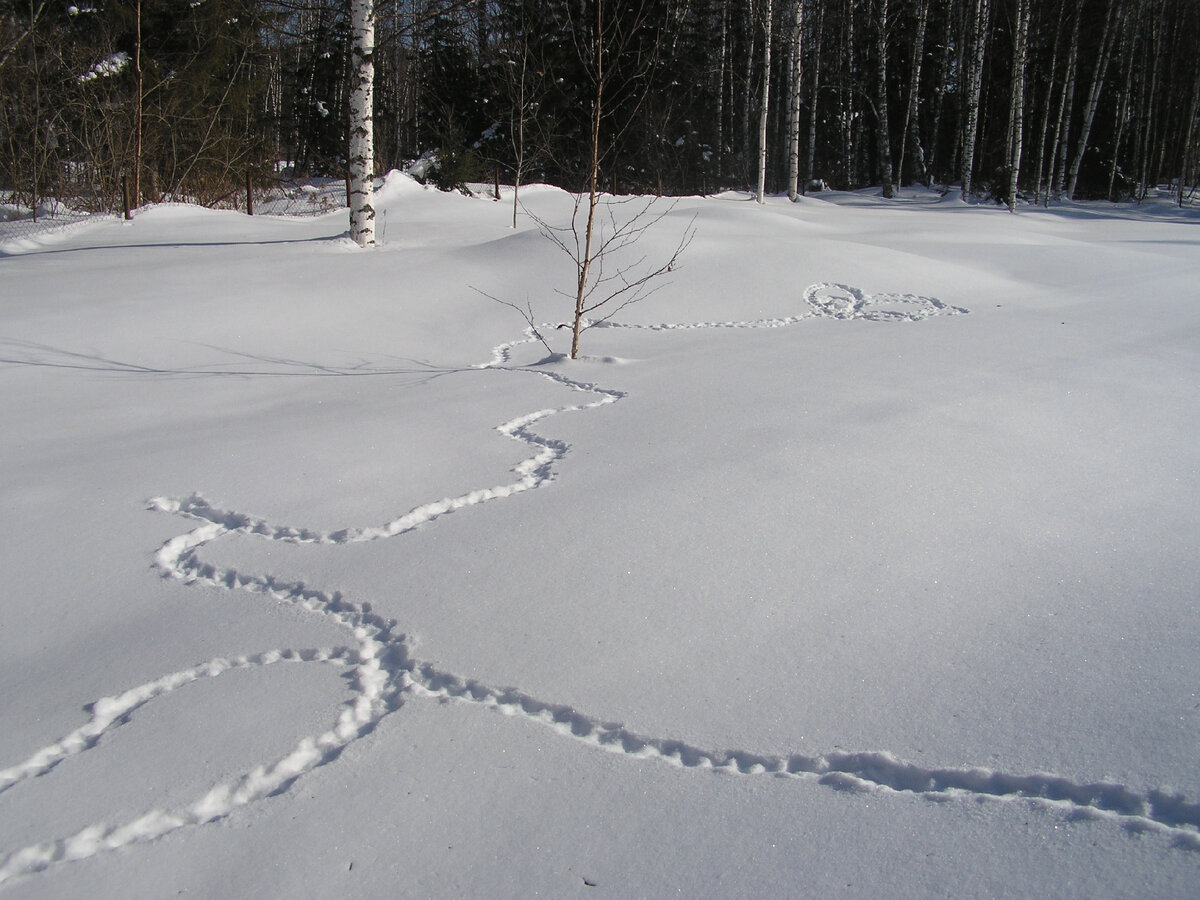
[1004,98]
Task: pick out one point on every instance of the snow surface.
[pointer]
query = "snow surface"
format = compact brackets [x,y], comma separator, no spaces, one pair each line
[859,561]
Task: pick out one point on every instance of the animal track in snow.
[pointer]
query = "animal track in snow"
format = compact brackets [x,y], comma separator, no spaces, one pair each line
[385,674]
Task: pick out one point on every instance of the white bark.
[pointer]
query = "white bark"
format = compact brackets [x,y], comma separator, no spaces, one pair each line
[1066,108]
[720,141]
[884,141]
[768,11]
[1089,111]
[1044,132]
[362,138]
[747,82]
[974,86]
[794,100]
[1016,115]
[911,131]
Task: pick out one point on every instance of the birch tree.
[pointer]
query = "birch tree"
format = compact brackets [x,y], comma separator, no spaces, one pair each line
[882,136]
[1047,106]
[911,132]
[1016,116]
[362,134]
[815,94]
[1104,55]
[795,88]
[1066,107]
[767,11]
[978,37]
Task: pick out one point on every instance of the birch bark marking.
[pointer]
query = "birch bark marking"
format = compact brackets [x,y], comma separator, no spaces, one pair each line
[362,144]
[794,100]
[137,112]
[911,131]
[1066,109]
[1044,133]
[768,13]
[883,136]
[978,34]
[1016,114]
[1089,111]
[816,95]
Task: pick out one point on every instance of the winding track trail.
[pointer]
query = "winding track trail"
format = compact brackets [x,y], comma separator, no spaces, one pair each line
[385,674]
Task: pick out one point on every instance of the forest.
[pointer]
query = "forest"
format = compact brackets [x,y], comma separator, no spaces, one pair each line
[1008,100]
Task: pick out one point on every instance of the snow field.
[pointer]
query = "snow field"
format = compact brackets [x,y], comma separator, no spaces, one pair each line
[820,530]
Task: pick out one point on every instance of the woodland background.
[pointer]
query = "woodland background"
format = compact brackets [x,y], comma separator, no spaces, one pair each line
[1004,98]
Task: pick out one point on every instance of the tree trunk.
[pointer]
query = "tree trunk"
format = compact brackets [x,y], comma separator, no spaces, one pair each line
[519,170]
[1016,115]
[723,65]
[816,96]
[1089,111]
[1149,99]
[1130,42]
[883,136]
[911,125]
[848,76]
[362,151]
[978,32]
[768,10]
[949,56]
[1044,130]
[747,82]
[137,111]
[585,262]
[1066,108]
[794,100]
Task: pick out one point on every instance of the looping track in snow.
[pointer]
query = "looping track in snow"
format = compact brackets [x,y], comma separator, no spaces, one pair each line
[385,674]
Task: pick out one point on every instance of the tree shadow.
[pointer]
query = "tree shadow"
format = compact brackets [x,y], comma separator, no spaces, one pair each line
[21,353]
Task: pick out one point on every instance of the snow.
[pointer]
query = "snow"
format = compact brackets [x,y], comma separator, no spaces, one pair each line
[107,67]
[858,561]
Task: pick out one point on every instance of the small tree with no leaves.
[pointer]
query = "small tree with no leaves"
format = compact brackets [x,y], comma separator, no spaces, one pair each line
[593,242]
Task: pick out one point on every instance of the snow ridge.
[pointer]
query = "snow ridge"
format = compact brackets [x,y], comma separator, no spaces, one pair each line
[385,674]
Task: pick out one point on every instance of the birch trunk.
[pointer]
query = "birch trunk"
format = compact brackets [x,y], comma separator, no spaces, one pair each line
[882,134]
[1044,131]
[1089,111]
[1130,42]
[948,57]
[720,141]
[848,76]
[137,140]
[768,9]
[362,150]
[520,160]
[1065,109]
[816,96]
[747,82]
[1016,115]
[584,262]
[794,99]
[979,29]
[1150,97]
[911,130]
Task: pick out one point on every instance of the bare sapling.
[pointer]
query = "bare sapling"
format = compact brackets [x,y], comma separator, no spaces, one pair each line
[600,238]
[609,273]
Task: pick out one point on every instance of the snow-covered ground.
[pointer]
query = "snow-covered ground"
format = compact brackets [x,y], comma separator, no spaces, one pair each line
[861,560]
